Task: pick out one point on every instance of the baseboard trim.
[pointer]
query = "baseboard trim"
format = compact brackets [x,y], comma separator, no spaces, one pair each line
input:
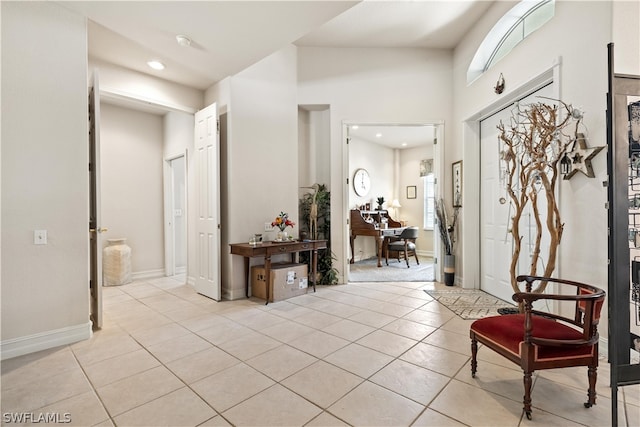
[148,274]
[44,340]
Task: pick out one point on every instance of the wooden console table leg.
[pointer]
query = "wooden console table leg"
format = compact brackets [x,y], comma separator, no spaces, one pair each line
[379,243]
[267,274]
[247,270]
[314,267]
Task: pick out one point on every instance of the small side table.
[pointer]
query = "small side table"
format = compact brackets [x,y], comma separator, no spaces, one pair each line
[267,249]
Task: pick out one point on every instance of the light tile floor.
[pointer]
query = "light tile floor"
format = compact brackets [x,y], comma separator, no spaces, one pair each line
[366,354]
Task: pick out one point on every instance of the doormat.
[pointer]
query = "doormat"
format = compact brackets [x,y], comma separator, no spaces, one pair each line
[470,304]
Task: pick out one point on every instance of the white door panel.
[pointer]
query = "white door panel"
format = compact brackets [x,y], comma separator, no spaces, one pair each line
[496,242]
[207,149]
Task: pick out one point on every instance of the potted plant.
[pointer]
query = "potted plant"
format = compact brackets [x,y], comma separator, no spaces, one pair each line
[315,223]
[380,201]
[447,234]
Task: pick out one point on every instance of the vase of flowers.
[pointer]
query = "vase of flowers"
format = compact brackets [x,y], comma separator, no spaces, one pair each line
[282,221]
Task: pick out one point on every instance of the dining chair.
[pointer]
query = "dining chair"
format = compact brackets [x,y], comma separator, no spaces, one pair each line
[405,245]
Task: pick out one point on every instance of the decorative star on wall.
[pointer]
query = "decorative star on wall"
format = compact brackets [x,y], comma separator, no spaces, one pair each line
[581,157]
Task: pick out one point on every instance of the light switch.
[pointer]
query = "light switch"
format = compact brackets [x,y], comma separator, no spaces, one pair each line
[268,226]
[39,237]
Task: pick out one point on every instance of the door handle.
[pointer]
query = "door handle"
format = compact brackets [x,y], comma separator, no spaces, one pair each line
[99,230]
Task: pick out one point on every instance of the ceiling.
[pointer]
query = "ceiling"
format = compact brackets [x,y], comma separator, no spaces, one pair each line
[228,36]
[400,136]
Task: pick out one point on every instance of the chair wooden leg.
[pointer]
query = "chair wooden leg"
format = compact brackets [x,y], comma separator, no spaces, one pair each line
[527,394]
[474,354]
[591,393]
[416,255]
[406,257]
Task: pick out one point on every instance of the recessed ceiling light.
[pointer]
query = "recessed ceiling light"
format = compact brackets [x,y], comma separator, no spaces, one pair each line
[378,135]
[156,65]
[404,144]
[354,127]
[183,40]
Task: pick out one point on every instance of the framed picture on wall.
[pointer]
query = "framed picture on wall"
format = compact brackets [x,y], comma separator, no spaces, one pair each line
[456,179]
[411,192]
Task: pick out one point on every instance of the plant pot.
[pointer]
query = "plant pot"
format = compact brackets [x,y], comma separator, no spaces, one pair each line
[449,269]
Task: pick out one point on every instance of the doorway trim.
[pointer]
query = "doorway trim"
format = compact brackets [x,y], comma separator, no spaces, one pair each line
[471,244]
[169,226]
[438,153]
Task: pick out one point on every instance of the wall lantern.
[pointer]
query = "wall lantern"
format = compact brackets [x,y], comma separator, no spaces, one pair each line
[565,165]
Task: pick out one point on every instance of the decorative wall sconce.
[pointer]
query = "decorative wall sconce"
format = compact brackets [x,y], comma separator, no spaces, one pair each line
[499,87]
[565,165]
[579,158]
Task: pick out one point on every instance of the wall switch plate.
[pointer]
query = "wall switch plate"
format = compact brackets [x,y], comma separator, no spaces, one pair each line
[268,226]
[39,237]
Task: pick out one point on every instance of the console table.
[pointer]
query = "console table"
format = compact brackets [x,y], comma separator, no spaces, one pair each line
[267,249]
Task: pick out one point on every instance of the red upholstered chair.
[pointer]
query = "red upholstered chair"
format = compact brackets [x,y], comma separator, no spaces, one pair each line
[537,340]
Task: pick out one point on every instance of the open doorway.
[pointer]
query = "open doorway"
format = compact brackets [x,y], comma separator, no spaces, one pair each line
[144,182]
[398,161]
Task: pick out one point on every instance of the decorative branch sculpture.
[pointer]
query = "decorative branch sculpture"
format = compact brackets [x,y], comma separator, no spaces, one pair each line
[532,146]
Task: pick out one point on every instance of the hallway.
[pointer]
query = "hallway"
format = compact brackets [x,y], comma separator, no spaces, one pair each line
[356,354]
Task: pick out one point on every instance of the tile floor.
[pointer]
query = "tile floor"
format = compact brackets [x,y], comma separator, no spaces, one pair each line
[359,354]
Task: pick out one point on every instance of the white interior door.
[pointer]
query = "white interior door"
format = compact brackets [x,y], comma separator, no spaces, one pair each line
[207,166]
[179,191]
[175,231]
[496,209]
[95,227]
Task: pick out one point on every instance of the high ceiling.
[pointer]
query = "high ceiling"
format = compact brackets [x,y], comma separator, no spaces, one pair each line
[228,36]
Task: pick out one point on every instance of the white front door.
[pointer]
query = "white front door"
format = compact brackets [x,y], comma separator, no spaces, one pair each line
[95,227]
[496,209]
[207,166]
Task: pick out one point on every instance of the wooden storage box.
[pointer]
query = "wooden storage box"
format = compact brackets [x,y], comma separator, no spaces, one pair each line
[286,281]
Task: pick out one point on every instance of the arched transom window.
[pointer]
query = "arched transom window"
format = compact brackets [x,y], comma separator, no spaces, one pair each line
[516,25]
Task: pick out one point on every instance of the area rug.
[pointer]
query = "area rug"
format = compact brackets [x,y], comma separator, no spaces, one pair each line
[367,270]
[469,303]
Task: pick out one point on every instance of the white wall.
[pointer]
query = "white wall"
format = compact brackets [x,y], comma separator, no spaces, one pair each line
[178,131]
[132,190]
[583,83]
[262,155]
[314,142]
[371,86]
[626,37]
[45,288]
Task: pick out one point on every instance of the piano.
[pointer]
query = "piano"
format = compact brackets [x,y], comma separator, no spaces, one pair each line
[372,223]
